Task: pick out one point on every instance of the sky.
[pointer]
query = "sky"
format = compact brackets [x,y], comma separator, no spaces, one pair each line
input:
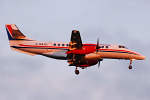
[25,77]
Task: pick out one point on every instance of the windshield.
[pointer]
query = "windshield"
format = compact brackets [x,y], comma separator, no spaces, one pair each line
[121,46]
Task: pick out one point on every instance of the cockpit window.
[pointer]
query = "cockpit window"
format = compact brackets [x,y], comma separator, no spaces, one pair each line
[121,46]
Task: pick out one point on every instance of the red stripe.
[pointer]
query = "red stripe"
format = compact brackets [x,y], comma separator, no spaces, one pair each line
[120,50]
[9,29]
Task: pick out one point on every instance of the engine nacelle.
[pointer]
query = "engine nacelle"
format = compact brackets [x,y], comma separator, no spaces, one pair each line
[92,56]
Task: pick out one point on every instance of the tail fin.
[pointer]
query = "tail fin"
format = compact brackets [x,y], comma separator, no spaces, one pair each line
[15,36]
[14,33]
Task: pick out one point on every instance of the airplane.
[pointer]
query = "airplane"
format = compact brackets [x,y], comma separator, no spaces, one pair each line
[75,52]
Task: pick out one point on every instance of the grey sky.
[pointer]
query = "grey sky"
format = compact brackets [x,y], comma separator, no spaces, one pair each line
[25,77]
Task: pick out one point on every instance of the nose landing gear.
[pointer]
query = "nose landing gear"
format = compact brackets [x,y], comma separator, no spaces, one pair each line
[130,66]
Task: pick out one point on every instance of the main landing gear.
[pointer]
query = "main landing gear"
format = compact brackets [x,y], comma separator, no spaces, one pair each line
[130,66]
[77,71]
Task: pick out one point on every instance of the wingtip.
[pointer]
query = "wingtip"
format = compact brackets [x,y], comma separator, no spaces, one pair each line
[75,31]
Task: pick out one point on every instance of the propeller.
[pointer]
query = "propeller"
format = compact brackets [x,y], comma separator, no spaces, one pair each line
[97,46]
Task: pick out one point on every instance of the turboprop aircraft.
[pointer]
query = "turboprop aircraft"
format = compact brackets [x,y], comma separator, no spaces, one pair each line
[75,52]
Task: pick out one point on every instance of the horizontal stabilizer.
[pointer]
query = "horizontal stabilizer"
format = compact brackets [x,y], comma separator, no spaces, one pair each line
[29,53]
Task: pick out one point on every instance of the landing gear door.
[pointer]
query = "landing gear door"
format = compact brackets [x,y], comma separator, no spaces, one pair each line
[49,47]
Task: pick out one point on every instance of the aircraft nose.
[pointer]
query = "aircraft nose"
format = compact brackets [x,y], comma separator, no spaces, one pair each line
[143,57]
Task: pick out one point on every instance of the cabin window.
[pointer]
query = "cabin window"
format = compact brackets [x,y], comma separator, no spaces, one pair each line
[54,44]
[63,45]
[67,45]
[40,43]
[102,46]
[45,43]
[58,44]
[106,46]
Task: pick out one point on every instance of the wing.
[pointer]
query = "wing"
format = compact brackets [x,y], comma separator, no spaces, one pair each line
[76,52]
[75,46]
[75,41]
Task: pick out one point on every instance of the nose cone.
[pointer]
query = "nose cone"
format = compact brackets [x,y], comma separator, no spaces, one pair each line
[141,57]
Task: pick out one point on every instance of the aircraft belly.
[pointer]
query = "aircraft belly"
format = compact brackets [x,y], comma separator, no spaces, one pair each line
[56,55]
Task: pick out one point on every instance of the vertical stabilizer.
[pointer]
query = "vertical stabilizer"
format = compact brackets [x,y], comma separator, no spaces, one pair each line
[15,36]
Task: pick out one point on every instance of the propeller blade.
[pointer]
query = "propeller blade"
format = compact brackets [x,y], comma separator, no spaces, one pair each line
[99,61]
[98,64]
[98,41]
[97,46]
